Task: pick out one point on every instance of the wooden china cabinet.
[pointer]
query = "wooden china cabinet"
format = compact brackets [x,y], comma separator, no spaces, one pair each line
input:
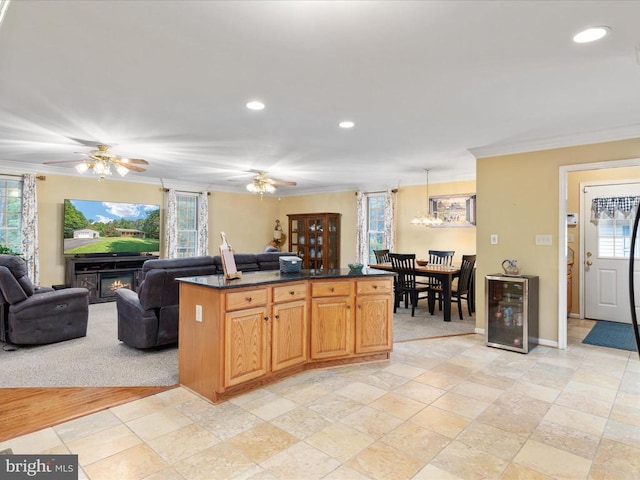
[315,238]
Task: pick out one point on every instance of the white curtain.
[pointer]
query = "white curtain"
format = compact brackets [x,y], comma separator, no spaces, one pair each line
[29,248]
[170,225]
[362,241]
[203,224]
[390,219]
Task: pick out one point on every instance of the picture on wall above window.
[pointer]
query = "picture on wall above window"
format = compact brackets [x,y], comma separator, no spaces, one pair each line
[454,210]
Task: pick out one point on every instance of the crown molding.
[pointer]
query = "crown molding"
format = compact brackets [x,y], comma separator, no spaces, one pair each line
[548,143]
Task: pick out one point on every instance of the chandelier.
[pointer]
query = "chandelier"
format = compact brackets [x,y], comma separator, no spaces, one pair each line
[425,218]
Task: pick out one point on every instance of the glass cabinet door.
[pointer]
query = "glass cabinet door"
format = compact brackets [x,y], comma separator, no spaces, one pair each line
[511,312]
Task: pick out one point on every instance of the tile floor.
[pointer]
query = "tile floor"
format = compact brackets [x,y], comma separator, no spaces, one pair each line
[447,408]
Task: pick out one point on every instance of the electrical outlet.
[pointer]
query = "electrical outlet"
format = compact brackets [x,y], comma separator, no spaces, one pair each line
[494,239]
[198,313]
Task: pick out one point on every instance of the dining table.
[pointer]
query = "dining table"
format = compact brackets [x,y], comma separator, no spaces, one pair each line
[443,273]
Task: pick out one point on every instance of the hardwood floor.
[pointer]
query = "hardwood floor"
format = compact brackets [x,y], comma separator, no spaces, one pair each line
[26,410]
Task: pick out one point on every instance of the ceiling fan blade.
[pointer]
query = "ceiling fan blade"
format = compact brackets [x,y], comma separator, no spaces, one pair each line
[131,167]
[63,161]
[86,143]
[134,160]
[273,181]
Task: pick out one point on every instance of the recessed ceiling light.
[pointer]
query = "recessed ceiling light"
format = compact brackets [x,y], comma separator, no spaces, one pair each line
[346,124]
[255,105]
[591,34]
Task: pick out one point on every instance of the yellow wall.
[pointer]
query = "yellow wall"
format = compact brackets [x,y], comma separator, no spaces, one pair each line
[335,202]
[247,220]
[419,239]
[573,205]
[517,199]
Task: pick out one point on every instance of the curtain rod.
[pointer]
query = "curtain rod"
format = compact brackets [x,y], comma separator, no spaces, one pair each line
[38,177]
[395,190]
[185,191]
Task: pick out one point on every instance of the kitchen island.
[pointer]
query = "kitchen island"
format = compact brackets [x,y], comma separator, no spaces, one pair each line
[236,335]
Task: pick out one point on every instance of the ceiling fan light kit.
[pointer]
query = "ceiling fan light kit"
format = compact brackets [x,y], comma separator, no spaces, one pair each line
[102,161]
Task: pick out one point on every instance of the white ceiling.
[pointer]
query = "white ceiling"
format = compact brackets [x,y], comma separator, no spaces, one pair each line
[425,83]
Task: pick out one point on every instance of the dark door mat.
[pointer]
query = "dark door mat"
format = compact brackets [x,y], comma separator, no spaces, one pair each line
[612,335]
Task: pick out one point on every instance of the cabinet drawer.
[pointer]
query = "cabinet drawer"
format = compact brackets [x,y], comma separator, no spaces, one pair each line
[365,287]
[287,293]
[330,289]
[246,299]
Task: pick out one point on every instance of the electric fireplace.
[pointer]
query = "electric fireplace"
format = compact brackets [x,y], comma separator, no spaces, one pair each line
[110,282]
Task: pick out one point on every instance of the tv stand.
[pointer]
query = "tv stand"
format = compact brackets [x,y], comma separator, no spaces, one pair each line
[103,275]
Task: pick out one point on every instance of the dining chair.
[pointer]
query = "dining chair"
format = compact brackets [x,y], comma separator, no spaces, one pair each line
[440,257]
[406,287]
[462,288]
[382,256]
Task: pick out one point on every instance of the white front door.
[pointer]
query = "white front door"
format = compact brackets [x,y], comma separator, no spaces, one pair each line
[606,258]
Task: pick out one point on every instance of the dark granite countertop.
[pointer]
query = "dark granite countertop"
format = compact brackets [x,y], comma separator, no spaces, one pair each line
[250,279]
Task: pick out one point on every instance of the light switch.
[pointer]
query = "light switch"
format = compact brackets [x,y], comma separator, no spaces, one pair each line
[198,313]
[544,240]
[494,239]
[570,237]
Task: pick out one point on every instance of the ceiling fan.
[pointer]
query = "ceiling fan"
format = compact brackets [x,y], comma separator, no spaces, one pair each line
[262,184]
[101,159]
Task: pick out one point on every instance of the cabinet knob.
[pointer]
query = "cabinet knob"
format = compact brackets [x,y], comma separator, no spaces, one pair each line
[332,289]
[277,316]
[266,318]
[292,292]
[375,287]
[249,299]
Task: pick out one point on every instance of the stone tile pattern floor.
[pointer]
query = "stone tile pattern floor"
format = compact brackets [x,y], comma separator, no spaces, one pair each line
[444,409]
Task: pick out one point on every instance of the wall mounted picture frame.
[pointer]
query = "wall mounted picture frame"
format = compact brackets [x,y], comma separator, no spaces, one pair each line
[454,210]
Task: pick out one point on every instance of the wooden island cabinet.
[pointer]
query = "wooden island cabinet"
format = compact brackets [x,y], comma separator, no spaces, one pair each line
[236,335]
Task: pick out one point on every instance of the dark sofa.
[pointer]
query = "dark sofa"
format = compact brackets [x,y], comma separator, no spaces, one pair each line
[149,318]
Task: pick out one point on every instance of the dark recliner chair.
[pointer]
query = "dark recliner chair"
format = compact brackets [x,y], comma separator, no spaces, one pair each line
[32,315]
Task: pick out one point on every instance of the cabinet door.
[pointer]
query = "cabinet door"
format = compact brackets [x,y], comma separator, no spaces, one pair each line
[331,327]
[289,335]
[374,331]
[246,354]
[88,281]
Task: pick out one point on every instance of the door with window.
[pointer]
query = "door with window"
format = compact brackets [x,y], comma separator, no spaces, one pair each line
[607,244]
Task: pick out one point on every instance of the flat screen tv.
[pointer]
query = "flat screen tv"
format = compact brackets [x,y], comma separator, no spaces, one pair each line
[95,228]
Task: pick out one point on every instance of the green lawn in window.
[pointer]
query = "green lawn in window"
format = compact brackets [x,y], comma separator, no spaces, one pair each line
[119,245]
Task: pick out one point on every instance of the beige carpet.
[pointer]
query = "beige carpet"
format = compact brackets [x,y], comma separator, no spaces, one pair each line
[424,325]
[99,359]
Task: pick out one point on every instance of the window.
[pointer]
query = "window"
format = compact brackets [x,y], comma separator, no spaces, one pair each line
[187,220]
[375,224]
[10,213]
[614,237]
